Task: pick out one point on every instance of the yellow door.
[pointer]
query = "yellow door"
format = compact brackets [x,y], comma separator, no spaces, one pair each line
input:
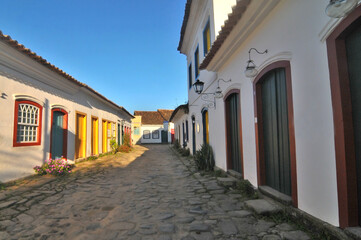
[104,137]
[80,136]
[95,140]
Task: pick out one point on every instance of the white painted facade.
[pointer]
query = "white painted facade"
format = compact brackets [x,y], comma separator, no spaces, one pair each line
[23,78]
[153,129]
[294,31]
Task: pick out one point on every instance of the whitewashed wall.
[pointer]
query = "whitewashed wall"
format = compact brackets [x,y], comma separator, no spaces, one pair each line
[151,128]
[20,75]
[295,31]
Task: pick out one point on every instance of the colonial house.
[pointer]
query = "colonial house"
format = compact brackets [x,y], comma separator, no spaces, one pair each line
[152,126]
[181,126]
[278,98]
[46,113]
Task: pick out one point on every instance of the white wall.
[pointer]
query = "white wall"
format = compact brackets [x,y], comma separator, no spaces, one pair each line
[20,75]
[294,30]
[152,128]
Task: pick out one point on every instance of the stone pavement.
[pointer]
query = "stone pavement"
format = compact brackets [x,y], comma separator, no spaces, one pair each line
[147,194]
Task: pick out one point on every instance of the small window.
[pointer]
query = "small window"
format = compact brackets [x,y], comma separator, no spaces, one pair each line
[146,134]
[27,128]
[196,62]
[206,39]
[190,80]
[155,134]
[136,130]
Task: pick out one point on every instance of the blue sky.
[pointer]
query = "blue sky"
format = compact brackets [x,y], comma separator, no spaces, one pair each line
[124,49]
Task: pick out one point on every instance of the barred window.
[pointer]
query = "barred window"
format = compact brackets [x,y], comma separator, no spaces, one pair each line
[146,134]
[155,134]
[27,127]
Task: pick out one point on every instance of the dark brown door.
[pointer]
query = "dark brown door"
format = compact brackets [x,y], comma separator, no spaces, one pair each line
[353,51]
[275,131]
[233,133]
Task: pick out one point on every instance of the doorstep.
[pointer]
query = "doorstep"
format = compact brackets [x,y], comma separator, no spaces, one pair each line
[354,232]
[276,195]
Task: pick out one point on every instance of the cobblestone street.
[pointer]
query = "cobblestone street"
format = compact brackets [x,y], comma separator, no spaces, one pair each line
[146,194]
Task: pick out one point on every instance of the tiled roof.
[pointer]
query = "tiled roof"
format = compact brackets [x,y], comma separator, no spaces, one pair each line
[21,48]
[154,117]
[233,17]
[184,107]
[187,11]
[165,113]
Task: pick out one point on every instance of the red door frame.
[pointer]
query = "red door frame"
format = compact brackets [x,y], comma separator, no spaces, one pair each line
[65,130]
[261,165]
[342,119]
[226,116]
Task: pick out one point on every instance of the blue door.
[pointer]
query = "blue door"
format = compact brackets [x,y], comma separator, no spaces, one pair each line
[57,135]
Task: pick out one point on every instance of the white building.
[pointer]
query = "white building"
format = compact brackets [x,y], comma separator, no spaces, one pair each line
[46,113]
[293,127]
[152,126]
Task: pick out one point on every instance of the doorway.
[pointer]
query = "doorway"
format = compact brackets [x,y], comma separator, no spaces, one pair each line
[233,131]
[80,136]
[344,56]
[59,129]
[275,136]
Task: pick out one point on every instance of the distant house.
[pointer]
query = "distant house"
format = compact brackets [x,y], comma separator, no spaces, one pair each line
[152,126]
[46,113]
[181,126]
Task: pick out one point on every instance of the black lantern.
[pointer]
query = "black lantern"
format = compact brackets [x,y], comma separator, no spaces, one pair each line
[198,86]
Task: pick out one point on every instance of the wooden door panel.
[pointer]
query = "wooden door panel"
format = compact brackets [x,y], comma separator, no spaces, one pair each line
[275,131]
[353,52]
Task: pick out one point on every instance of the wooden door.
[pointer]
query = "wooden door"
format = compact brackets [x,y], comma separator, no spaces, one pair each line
[276,131]
[94,138]
[104,137]
[194,135]
[80,136]
[205,127]
[353,52]
[234,153]
[119,135]
[164,136]
[57,135]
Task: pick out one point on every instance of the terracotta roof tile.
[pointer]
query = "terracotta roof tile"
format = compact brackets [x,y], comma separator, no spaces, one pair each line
[184,107]
[165,113]
[187,11]
[233,18]
[154,117]
[21,48]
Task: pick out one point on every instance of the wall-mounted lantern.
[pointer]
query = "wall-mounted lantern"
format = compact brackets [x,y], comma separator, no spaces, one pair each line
[198,88]
[251,70]
[339,8]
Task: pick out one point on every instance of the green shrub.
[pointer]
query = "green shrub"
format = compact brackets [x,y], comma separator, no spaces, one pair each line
[176,144]
[246,188]
[91,158]
[113,145]
[204,158]
[184,152]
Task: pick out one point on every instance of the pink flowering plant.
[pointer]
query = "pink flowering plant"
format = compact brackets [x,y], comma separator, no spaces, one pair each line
[58,166]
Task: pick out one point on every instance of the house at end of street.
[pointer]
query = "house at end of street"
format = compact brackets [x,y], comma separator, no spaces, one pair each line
[152,127]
